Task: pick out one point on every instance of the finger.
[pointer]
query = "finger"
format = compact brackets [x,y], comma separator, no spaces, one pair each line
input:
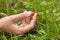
[23,21]
[27,20]
[15,28]
[33,19]
[17,17]
[22,29]
[18,29]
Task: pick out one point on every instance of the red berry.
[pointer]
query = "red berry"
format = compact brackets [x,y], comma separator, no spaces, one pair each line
[32,14]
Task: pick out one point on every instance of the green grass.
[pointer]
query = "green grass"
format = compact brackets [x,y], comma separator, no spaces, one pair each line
[48,20]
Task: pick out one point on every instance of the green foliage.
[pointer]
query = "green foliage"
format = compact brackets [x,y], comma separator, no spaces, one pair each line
[48,18]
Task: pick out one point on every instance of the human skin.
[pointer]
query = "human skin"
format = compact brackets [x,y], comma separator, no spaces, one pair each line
[9,24]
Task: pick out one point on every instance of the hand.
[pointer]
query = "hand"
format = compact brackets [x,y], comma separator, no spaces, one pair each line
[9,24]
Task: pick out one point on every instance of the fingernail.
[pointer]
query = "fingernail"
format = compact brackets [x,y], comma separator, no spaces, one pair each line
[29,13]
[25,11]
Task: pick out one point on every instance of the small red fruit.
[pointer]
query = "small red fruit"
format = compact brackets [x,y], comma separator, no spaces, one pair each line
[32,14]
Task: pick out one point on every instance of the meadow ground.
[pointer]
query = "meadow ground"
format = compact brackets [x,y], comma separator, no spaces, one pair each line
[48,19]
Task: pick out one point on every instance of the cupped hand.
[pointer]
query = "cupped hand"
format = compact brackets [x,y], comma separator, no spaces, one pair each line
[9,24]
